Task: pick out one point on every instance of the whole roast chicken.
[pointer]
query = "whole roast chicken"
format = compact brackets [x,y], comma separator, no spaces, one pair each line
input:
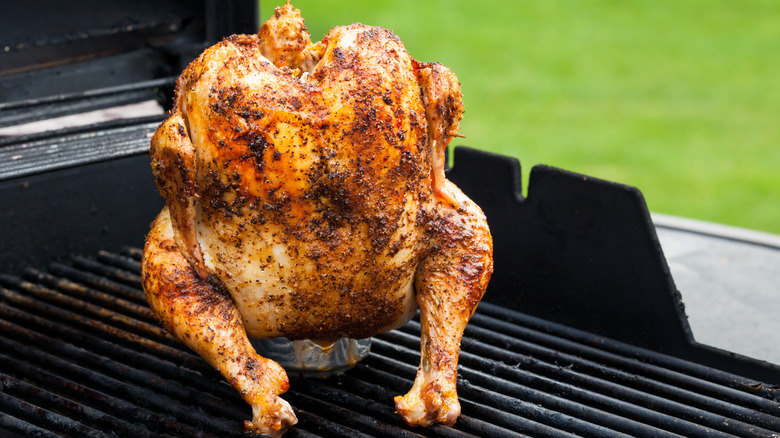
[306,199]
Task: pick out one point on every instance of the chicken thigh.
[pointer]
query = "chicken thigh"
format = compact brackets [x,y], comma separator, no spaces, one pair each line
[306,198]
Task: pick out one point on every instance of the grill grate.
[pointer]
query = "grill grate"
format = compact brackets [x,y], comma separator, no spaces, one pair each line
[82,355]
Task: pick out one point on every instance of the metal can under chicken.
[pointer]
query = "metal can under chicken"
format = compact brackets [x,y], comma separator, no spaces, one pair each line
[306,358]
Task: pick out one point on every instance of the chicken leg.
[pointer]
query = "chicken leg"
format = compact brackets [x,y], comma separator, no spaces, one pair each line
[201,314]
[450,282]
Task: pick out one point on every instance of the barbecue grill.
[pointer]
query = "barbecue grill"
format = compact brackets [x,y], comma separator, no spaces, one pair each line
[581,332]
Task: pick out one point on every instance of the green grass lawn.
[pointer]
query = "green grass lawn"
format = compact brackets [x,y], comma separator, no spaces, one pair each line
[680,98]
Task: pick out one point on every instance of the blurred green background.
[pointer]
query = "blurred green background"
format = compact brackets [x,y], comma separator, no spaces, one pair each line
[680,98]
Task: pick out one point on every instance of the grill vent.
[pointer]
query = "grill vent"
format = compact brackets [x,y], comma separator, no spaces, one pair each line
[46,152]
[82,355]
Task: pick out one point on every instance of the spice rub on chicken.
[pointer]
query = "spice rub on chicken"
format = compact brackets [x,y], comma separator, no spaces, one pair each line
[306,198]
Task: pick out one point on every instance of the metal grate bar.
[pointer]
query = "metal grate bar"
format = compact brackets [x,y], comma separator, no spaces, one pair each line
[510,406]
[50,419]
[321,426]
[112,368]
[358,425]
[679,372]
[13,424]
[97,399]
[567,371]
[369,394]
[372,399]
[541,379]
[518,383]
[161,366]
[71,408]
[309,391]
[659,396]
[134,253]
[76,290]
[389,372]
[119,261]
[155,332]
[132,393]
[99,282]
[117,335]
[120,275]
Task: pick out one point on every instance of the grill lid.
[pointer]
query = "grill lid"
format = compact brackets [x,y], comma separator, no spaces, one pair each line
[83,356]
[53,48]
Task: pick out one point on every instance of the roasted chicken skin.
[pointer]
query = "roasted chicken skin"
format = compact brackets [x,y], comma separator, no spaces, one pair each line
[306,198]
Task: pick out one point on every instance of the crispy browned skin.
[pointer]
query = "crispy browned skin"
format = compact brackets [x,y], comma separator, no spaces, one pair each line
[450,281]
[306,182]
[200,313]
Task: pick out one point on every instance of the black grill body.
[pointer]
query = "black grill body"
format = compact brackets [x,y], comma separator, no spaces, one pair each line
[581,332]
